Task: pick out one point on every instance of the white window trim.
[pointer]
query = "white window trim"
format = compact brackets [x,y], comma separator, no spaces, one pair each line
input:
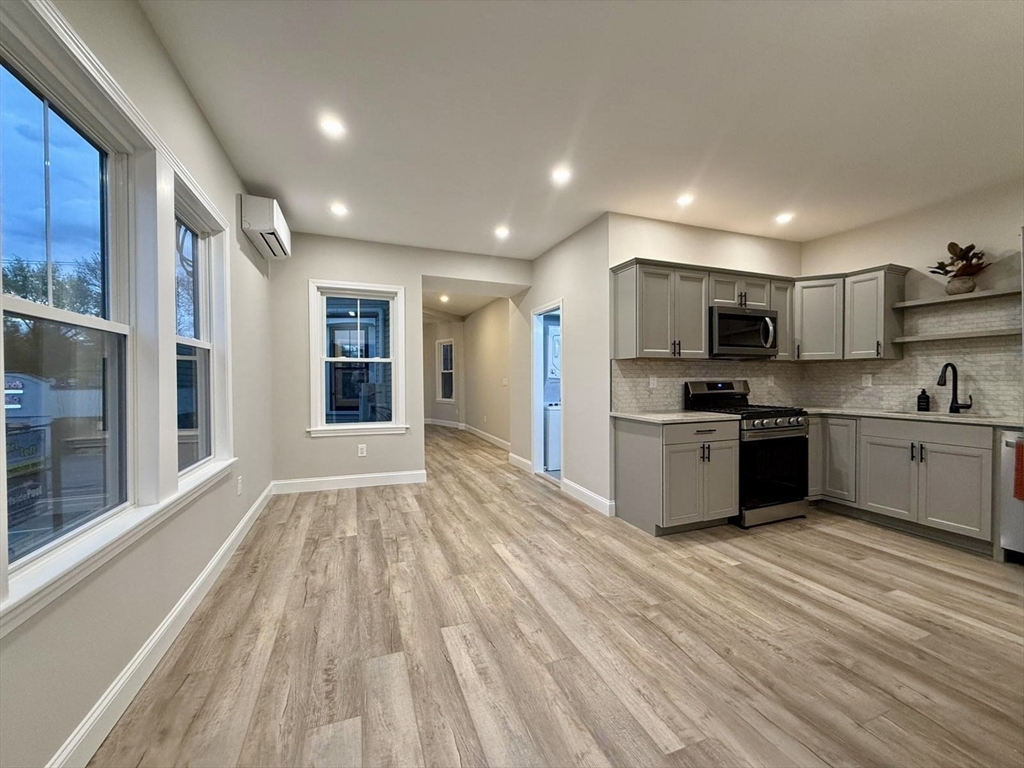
[144,176]
[319,290]
[439,357]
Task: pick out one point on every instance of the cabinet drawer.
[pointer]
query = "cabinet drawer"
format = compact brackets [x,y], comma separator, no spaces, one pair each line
[966,435]
[701,432]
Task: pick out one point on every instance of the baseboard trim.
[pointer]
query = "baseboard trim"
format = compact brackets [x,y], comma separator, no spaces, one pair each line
[443,423]
[489,437]
[520,463]
[591,499]
[306,484]
[83,742]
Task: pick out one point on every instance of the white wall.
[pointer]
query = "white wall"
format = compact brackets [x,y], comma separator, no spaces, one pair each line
[432,409]
[486,365]
[990,218]
[296,455]
[56,666]
[633,237]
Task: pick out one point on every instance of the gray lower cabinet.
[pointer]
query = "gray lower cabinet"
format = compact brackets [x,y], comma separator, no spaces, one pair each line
[676,474]
[738,290]
[782,302]
[659,312]
[818,319]
[918,472]
[815,454]
[839,464]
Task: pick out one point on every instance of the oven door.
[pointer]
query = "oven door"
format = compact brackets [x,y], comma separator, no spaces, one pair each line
[773,469]
[739,332]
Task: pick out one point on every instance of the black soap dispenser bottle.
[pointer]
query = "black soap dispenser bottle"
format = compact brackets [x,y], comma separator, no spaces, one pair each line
[924,401]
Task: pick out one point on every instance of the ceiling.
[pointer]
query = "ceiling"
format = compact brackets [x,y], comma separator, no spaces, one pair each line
[842,113]
[464,296]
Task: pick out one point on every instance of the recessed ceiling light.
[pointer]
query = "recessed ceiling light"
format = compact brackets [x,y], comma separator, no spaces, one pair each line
[339,209]
[784,218]
[502,232]
[444,298]
[332,127]
[561,175]
[684,200]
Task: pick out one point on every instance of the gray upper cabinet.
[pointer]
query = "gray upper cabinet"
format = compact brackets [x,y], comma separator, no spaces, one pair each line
[818,319]
[870,322]
[781,300]
[658,311]
[839,478]
[739,290]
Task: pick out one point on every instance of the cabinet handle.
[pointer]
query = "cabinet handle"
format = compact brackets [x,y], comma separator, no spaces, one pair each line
[797,351]
[743,299]
[705,431]
[709,452]
[878,349]
[913,448]
[922,453]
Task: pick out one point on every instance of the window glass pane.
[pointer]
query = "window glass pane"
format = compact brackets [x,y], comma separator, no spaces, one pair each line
[64,395]
[22,190]
[447,386]
[344,336]
[375,321]
[357,392]
[446,357]
[76,220]
[194,443]
[187,286]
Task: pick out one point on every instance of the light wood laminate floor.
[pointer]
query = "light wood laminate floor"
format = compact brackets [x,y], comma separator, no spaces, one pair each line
[484,618]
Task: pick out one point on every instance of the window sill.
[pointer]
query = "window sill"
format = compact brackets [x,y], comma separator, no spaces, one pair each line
[354,430]
[42,581]
[446,401]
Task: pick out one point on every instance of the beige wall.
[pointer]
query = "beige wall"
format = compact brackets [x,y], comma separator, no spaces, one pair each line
[55,667]
[432,333]
[633,237]
[990,218]
[296,455]
[486,365]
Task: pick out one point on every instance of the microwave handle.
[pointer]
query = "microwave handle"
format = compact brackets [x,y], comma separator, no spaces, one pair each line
[771,333]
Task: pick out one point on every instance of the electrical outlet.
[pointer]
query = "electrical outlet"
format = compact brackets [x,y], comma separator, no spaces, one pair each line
[504,382]
[238,491]
[652,382]
[865,380]
[361,450]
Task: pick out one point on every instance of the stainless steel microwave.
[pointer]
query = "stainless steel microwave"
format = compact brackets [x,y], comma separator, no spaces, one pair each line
[743,332]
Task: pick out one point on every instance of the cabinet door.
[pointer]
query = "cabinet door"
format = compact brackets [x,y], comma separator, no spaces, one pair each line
[955,489]
[723,290]
[690,313]
[722,480]
[864,315]
[781,301]
[818,319]
[654,291]
[888,476]
[756,292]
[840,471]
[683,487]
[815,456]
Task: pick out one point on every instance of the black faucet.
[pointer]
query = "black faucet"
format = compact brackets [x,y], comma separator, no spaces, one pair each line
[954,405]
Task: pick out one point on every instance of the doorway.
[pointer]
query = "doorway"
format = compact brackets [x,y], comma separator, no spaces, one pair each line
[547,391]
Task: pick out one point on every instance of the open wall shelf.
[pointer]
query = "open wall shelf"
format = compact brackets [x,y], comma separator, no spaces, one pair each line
[1014,331]
[952,299]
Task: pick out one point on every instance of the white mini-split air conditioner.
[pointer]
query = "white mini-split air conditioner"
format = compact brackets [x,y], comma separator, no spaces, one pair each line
[264,224]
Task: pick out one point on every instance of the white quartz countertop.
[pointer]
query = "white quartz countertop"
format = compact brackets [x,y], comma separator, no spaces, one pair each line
[681,417]
[934,416]
[675,418]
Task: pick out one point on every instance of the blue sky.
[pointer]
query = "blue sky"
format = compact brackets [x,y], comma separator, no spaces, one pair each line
[74,181]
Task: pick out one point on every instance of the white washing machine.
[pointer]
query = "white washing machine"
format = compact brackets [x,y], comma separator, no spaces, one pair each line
[553,437]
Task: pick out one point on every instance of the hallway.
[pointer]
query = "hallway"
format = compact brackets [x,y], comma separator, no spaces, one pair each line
[485,618]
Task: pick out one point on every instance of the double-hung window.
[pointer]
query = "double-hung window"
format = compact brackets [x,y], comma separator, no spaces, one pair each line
[356,343]
[191,283]
[65,342]
[446,371]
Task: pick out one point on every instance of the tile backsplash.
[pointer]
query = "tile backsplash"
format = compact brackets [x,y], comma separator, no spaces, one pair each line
[990,370]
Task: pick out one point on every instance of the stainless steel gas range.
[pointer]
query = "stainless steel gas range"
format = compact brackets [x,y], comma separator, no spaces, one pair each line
[773,449]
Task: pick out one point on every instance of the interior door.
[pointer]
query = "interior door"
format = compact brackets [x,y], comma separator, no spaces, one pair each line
[722,480]
[683,484]
[655,297]
[955,489]
[888,476]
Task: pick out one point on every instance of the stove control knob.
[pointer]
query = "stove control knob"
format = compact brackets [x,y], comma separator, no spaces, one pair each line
[794,420]
[801,420]
[779,422]
[758,423]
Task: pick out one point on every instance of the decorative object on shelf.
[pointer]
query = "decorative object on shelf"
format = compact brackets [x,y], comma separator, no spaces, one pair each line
[924,401]
[965,264]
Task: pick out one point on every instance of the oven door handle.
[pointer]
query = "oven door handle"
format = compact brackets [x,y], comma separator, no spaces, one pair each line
[771,333]
[772,434]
